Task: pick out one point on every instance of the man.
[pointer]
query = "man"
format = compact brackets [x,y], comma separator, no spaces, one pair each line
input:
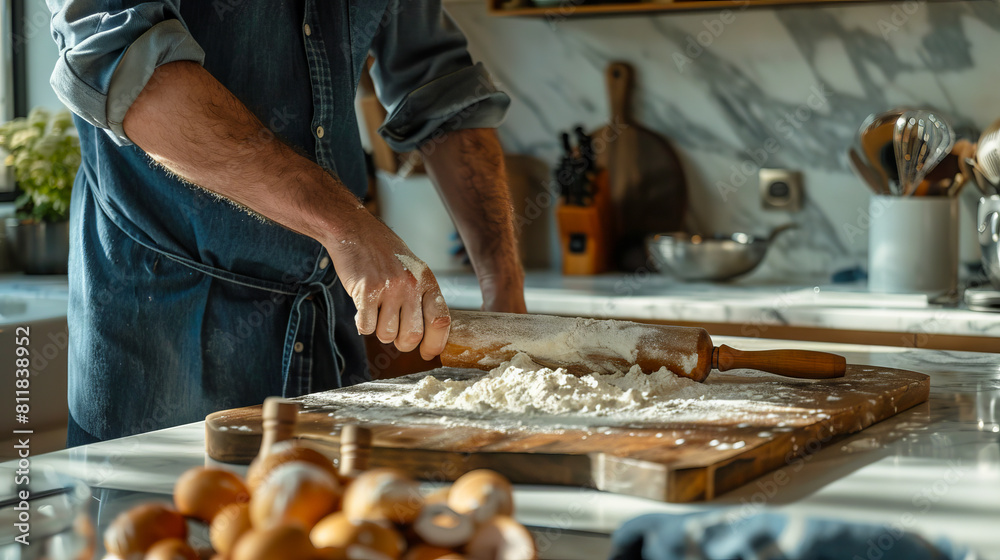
[220,252]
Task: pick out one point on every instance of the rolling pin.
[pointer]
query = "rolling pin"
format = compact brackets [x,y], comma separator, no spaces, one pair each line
[483,340]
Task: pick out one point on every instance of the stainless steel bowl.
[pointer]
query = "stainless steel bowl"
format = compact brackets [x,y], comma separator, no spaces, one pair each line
[709,257]
[989,237]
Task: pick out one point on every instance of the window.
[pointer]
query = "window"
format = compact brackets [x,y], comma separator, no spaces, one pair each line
[12,97]
[6,60]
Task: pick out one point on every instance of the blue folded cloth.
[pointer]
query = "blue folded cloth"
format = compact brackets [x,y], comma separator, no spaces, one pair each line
[723,535]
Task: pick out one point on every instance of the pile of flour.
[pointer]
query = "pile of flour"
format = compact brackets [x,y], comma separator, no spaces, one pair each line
[520,386]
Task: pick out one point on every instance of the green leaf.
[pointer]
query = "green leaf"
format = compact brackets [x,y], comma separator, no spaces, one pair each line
[45,155]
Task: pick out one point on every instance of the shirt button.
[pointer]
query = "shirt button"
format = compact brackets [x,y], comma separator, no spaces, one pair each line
[324,262]
[319,132]
[298,347]
[307,30]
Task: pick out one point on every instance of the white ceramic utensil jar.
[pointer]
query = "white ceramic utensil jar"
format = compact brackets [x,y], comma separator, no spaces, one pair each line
[913,245]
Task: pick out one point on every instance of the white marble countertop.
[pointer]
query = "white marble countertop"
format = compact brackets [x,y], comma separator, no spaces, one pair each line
[935,469]
[657,297]
[799,303]
[54,286]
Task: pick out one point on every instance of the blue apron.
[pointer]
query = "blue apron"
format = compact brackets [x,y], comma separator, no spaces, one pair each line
[182,304]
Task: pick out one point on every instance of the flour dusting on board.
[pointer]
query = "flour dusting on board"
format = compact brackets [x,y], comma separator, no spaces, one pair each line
[521,386]
[522,395]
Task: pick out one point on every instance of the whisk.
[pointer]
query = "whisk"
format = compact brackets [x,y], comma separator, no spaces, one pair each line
[921,140]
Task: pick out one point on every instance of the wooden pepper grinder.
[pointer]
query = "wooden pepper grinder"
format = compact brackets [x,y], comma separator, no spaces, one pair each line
[279,418]
[355,450]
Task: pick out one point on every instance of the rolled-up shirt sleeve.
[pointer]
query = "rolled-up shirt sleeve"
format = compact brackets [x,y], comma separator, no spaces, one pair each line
[108,51]
[426,79]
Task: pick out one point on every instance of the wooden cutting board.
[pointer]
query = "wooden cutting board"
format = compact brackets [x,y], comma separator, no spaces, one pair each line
[648,187]
[750,424]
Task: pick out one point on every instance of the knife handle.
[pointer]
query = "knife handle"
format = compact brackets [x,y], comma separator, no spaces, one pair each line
[802,364]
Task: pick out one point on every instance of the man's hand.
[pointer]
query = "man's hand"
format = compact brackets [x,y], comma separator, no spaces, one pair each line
[192,125]
[468,169]
[397,296]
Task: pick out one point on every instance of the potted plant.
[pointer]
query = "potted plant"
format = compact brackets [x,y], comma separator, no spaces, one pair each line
[44,152]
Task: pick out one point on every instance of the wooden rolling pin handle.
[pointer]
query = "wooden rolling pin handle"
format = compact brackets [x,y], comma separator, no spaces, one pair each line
[803,364]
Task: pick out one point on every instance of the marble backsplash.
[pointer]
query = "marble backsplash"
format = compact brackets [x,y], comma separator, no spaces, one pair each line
[723,85]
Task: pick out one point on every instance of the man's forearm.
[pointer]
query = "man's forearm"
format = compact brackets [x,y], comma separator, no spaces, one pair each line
[468,169]
[192,125]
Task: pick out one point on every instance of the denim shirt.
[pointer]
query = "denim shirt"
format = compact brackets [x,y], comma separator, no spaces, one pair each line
[181,303]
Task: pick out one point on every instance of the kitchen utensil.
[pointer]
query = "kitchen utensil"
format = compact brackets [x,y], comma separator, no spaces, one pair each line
[913,245]
[952,174]
[566,174]
[921,140]
[982,183]
[584,212]
[648,185]
[948,177]
[480,339]
[889,164]
[874,136]
[983,299]
[714,257]
[867,173]
[759,424]
[989,237]
[586,143]
[988,153]
[970,166]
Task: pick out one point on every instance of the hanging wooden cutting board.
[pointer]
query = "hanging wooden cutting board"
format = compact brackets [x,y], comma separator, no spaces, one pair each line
[648,186]
[753,423]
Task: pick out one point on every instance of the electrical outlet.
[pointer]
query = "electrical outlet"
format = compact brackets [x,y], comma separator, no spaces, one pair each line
[781,189]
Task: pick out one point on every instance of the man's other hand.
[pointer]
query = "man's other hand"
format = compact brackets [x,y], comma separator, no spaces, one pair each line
[396,294]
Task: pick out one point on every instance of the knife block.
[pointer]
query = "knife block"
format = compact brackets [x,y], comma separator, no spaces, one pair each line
[585,232]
